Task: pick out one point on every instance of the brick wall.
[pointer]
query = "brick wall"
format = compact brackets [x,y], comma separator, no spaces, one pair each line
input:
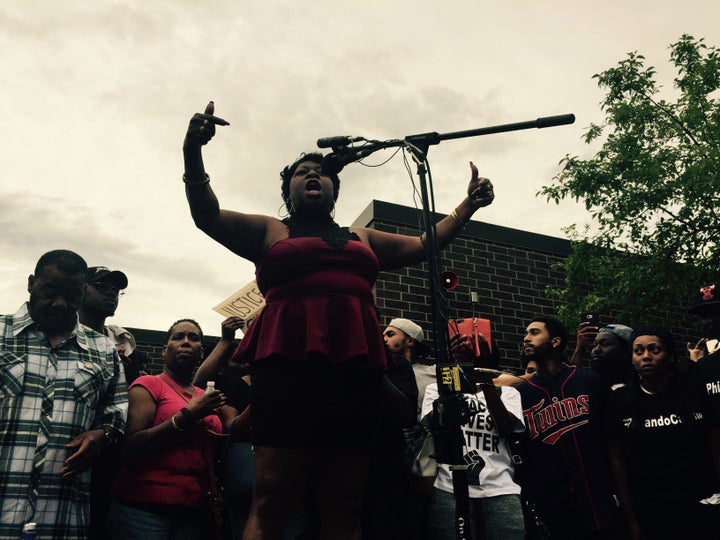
[509,269]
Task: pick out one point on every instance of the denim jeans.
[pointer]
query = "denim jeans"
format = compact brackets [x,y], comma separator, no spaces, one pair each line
[130,523]
[501,516]
[238,482]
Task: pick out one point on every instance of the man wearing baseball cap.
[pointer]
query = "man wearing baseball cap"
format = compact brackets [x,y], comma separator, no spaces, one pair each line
[102,291]
[611,356]
[387,512]
[100,301]
[409,342]
[404,338]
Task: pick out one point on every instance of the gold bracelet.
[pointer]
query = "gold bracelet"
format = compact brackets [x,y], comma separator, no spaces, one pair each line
[200,183]
[455,216]
[173,423]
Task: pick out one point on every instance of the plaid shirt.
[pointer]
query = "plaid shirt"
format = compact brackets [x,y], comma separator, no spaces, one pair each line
[49,396]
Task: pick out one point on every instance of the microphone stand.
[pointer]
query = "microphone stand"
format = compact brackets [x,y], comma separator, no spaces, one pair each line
[451,411]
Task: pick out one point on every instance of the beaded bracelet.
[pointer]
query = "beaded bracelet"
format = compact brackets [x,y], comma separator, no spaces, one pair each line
[200,183]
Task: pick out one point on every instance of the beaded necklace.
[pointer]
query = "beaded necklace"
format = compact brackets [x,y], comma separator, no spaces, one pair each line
[320,227]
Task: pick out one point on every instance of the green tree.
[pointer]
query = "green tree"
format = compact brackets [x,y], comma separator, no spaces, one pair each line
[652,189]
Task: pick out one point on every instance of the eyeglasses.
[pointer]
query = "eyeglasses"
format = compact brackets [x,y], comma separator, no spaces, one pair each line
[104,287]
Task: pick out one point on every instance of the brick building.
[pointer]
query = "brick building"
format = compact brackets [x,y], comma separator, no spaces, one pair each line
[509,269]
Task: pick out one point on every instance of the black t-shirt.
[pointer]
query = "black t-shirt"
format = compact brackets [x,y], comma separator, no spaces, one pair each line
[707,371]
[665,436]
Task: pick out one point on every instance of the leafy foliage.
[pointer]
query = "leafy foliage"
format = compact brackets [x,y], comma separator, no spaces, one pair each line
[651,190]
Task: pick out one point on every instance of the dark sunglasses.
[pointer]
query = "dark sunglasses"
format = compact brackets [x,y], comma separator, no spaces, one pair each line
[104,287]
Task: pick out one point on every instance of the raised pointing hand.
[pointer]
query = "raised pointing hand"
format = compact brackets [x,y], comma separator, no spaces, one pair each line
[210,111]
[202,126]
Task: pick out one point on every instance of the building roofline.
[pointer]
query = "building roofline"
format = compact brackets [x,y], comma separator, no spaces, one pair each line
[409,217]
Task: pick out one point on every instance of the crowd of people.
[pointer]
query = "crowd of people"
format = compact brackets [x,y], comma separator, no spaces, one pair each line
[321,422]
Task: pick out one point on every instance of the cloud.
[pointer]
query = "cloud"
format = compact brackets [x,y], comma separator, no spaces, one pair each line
[97,96]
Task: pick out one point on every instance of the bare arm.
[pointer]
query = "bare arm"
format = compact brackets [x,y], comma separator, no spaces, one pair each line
[507,379]
[139,435]
[142,438]
[395,250]
[227,414]
[210,367]
[586,334]
[462,352]
[243,234]
[239,426]
[504,421]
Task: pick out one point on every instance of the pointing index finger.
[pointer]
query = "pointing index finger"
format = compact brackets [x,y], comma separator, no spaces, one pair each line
[210,111]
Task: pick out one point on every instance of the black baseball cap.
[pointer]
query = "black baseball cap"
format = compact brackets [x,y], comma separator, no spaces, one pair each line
[103,273]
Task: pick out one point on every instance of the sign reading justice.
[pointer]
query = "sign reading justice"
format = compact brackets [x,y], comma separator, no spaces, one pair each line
[245,303]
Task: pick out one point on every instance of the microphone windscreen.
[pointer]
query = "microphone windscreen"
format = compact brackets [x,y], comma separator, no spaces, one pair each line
[331,164]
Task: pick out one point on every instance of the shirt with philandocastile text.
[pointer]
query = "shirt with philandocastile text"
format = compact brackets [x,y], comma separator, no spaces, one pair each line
[707,371]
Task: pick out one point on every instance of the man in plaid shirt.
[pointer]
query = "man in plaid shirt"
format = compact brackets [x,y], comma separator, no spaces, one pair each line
[63,397]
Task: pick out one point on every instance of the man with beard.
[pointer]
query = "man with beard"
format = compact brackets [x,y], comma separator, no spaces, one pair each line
[566,470]
[100,300]
[404,342]
[62,399]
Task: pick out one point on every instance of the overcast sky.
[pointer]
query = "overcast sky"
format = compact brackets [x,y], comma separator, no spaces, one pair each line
[96,97]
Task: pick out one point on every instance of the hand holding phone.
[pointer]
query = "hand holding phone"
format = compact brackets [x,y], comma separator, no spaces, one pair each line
[476,330]
[591,317]
[587,330]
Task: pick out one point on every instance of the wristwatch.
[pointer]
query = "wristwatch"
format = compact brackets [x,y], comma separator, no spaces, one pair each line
[111,435]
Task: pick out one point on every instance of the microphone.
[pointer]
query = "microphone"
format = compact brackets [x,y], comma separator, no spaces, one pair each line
[335,161]
[342,140]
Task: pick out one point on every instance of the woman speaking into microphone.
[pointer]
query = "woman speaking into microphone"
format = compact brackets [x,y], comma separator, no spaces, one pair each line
[316,352]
